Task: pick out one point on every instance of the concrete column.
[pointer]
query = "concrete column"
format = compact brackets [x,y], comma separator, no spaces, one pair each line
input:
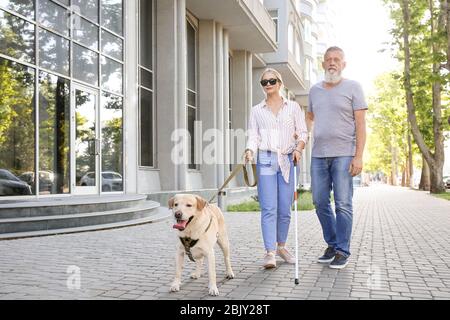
[226,103]
[170,91]
[241,92]
[220,106]
[209,99]
[258,92]
[131,133]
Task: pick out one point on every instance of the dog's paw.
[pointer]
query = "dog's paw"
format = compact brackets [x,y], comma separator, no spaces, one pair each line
[230,275]
[175,287]
[195,275]
[213,291]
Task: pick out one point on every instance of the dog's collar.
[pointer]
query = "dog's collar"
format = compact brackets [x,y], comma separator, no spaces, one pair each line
[189,243]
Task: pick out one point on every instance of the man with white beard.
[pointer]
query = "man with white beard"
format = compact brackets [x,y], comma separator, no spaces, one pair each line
[337,108]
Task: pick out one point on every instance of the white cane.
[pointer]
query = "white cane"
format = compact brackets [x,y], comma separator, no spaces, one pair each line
[296,223]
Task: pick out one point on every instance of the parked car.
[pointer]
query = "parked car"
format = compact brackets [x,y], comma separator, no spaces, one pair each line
[111,181]
[447,182]
[10,185]
[46,180]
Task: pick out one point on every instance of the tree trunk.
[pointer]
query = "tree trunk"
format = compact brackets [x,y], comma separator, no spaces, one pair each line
[394,166]
[435,161]
[404,178]
[407,174]
[437,169]
[410,162]
[425,176]
[437,180]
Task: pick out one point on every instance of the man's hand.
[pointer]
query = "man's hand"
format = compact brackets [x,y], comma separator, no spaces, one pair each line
[356,166]
[248,156]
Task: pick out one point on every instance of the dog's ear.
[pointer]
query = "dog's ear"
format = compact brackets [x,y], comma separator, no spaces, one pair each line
[201,203]
[171,202]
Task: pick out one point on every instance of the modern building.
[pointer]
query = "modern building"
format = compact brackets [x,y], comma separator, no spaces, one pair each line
[152,97]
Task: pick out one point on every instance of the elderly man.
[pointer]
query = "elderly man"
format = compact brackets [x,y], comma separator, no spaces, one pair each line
[337,108]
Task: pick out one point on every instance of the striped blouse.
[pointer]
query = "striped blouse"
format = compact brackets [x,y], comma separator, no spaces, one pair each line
[268,132]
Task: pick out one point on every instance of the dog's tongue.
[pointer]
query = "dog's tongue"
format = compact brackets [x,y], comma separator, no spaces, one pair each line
[180,225]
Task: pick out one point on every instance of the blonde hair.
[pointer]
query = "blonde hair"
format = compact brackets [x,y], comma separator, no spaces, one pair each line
[274,72]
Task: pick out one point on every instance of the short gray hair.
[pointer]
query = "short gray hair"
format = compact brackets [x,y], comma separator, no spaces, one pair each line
[331,49]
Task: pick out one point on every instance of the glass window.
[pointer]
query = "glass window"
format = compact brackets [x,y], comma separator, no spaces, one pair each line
[146,36]
[54,134]
[191,53]
[112,151]
[86,33]
[86,8]
[85,65]
[191,98]
[54,52]
[291,38]
[54,16]
[307,30]
[146,117]
[298,54]
[112,12]
[191,125]
[23,7]
[17,128]
[191,88]
[146,79]
[112,72]
[16,37]
[112,45]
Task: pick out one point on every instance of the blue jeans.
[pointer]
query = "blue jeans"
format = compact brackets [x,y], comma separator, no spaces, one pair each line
[275,198]
[332,174]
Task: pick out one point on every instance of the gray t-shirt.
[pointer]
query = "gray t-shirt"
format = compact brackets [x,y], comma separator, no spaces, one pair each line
[334,120]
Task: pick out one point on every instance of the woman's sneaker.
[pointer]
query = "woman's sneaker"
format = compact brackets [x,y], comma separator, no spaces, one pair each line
[269,260]
[328,256]
[339,262]
[285,255]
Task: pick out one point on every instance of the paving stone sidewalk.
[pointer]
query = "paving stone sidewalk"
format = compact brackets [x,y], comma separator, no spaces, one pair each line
[400,250]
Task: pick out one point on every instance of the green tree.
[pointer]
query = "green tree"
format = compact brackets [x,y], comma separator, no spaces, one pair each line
[420,35]
[387,145]
[17,130]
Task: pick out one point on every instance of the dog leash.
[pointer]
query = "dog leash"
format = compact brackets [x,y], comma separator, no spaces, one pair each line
[234,173]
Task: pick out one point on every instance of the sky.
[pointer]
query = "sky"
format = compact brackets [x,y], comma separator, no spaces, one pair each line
[362,28]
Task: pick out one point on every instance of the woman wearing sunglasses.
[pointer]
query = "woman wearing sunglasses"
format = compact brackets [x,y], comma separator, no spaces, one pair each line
[277,136]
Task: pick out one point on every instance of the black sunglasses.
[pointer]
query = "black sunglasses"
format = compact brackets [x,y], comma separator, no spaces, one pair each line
[272,82]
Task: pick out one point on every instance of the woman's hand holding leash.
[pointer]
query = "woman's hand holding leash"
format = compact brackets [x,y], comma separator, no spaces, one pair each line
[248,156]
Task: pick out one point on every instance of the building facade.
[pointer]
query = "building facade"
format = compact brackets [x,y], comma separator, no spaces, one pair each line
[137,96]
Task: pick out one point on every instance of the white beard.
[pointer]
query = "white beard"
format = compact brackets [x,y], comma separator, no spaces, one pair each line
[333,78]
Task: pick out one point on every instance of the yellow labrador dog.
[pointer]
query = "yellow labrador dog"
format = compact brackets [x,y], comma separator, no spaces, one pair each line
[200,225]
